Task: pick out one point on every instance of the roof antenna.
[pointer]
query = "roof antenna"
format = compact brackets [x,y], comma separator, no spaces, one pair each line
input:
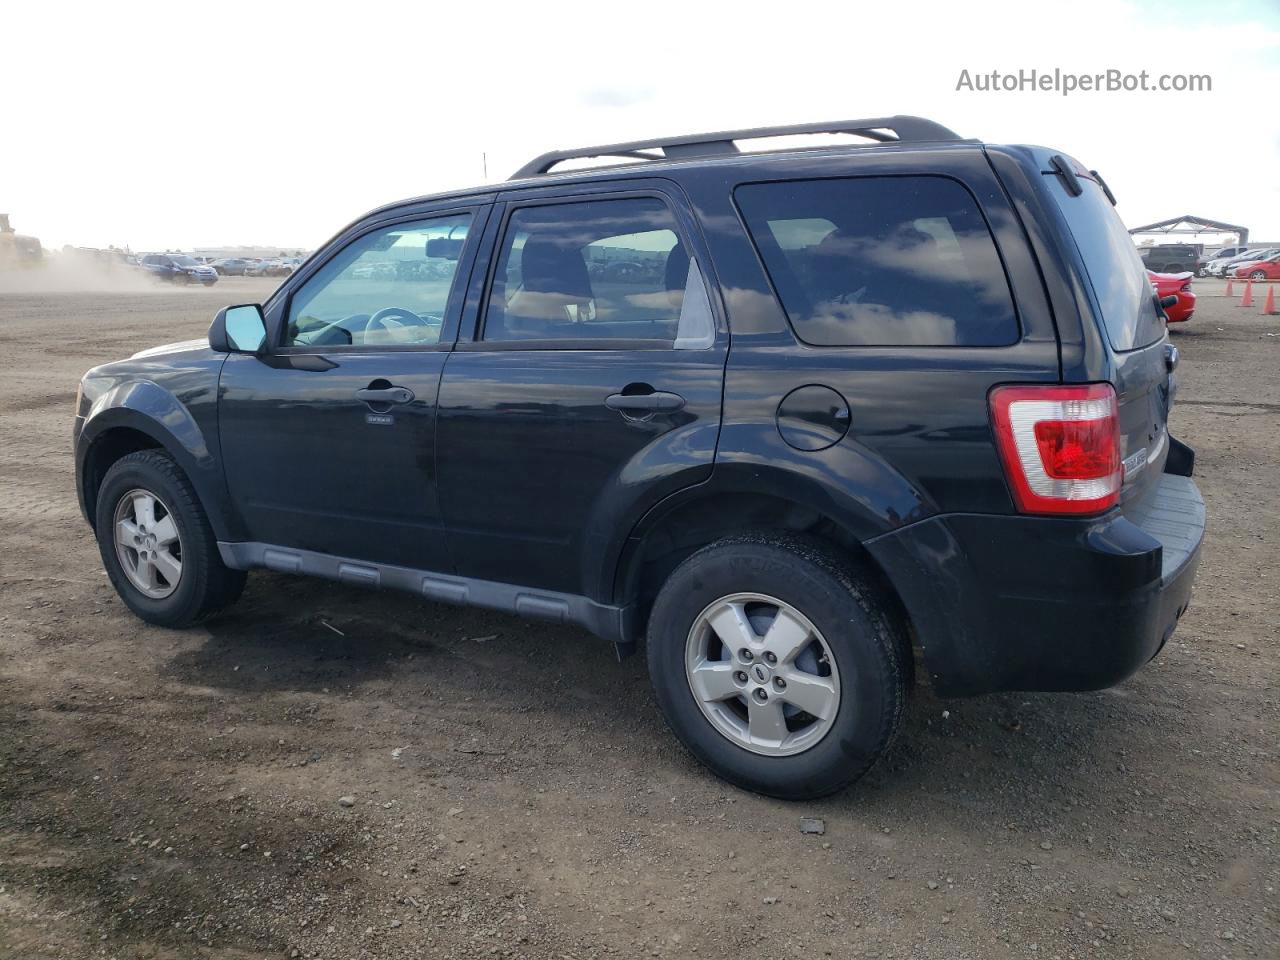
[484,162]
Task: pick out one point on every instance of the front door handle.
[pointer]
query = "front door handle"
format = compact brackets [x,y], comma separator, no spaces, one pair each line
[657,402]
[385,395]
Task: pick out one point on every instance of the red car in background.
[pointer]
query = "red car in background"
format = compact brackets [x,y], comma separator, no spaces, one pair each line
[1177,285]
[1268,269]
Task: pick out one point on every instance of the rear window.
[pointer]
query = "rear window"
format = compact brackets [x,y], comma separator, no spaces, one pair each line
[1116,271]
[881,261]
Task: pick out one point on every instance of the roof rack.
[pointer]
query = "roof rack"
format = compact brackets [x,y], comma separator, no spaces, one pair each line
[899,129]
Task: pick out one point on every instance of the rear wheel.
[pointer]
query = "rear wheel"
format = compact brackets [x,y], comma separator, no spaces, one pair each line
[157,545]
[777,665]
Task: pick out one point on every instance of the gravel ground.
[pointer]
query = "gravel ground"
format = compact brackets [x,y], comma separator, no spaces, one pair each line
[325,772]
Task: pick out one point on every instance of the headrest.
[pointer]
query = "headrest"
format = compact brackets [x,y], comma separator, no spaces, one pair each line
[677,270]
[549,265]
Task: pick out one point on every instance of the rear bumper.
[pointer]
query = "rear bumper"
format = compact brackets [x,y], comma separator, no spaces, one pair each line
[1034,603]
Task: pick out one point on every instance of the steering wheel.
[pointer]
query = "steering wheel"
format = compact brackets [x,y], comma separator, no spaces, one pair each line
[389,319]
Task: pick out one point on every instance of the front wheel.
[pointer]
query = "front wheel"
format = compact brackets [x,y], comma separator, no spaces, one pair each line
[1257,275]
[777,665]
[157,545]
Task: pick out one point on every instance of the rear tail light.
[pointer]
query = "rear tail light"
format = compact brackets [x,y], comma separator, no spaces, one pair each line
[1060,447]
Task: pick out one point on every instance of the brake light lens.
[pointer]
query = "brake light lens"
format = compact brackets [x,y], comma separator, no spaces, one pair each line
[1060,447]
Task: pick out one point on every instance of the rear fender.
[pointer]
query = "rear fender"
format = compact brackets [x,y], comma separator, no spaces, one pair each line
[845,484]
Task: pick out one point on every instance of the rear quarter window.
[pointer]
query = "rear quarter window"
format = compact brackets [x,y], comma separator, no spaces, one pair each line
[881,261]
[1115,270]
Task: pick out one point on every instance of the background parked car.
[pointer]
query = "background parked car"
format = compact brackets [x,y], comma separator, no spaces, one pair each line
[269,267]
[1178,285]
[1253,256]
[1268,269]
[1223,253]
[1171,257]
[1217,265]
[178,268]
[230,266]
[1222,266]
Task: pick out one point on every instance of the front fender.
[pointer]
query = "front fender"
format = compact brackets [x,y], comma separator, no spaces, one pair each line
[146,406]
[183,423]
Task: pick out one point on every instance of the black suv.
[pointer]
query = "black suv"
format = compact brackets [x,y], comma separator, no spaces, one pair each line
[1172,258]
[787,415]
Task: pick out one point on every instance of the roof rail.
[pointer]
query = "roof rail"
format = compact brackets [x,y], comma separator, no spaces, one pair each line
[900,128]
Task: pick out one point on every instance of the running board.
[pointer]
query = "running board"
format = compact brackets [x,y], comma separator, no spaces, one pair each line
[609,622]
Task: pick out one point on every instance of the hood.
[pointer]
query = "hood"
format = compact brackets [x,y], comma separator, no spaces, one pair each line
[179,347]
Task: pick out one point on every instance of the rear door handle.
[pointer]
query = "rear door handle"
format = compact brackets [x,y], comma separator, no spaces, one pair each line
[657,402]
[385,395]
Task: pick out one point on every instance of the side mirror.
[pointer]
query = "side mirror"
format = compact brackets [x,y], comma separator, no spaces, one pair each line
[239,329]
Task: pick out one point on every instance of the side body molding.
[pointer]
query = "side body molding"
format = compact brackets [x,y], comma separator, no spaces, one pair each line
[601,619]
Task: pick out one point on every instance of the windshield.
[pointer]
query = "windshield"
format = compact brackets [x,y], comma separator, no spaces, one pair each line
[1116,272]
[184,261]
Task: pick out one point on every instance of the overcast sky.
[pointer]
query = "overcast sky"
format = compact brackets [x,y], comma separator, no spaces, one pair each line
[182,124]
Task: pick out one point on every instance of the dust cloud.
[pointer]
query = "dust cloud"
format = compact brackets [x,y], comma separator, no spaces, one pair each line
[76,273]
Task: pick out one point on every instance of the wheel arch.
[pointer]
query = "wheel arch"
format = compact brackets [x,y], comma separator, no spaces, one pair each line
[685,522]
[142,415]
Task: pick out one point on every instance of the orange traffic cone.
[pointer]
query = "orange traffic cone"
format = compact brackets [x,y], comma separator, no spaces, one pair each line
[1247,299]
[1230,292]
[1269,308]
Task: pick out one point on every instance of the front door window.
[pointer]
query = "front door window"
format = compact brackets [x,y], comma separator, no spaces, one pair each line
[390,288]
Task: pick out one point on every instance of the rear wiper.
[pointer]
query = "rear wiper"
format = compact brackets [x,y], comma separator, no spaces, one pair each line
[1070,177]
[1062,169]
[1103,184]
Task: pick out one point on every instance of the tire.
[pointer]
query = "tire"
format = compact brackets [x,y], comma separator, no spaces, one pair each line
[204,584]
[855,636]
[1257,275]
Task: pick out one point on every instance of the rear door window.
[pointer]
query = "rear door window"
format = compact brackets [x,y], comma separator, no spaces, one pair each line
[611,269]
[881,261]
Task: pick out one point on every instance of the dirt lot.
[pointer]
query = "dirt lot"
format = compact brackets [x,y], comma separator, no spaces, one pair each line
[171,794]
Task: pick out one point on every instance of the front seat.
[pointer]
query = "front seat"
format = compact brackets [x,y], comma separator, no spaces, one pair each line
[555,289]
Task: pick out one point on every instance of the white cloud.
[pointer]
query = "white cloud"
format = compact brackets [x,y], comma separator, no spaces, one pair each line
[172,124]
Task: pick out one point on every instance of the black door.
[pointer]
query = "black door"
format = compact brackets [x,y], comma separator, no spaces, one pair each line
[329,444]
[590,390]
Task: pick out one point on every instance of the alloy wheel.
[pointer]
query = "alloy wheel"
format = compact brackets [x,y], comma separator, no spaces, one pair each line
[147,543]
[762,674]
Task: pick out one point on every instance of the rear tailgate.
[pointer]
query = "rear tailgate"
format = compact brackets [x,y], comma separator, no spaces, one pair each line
[1126,304]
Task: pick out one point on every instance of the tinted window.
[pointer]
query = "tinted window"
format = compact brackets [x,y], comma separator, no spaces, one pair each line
[1116,272]
[613,269]
[388,288]
[881,261]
